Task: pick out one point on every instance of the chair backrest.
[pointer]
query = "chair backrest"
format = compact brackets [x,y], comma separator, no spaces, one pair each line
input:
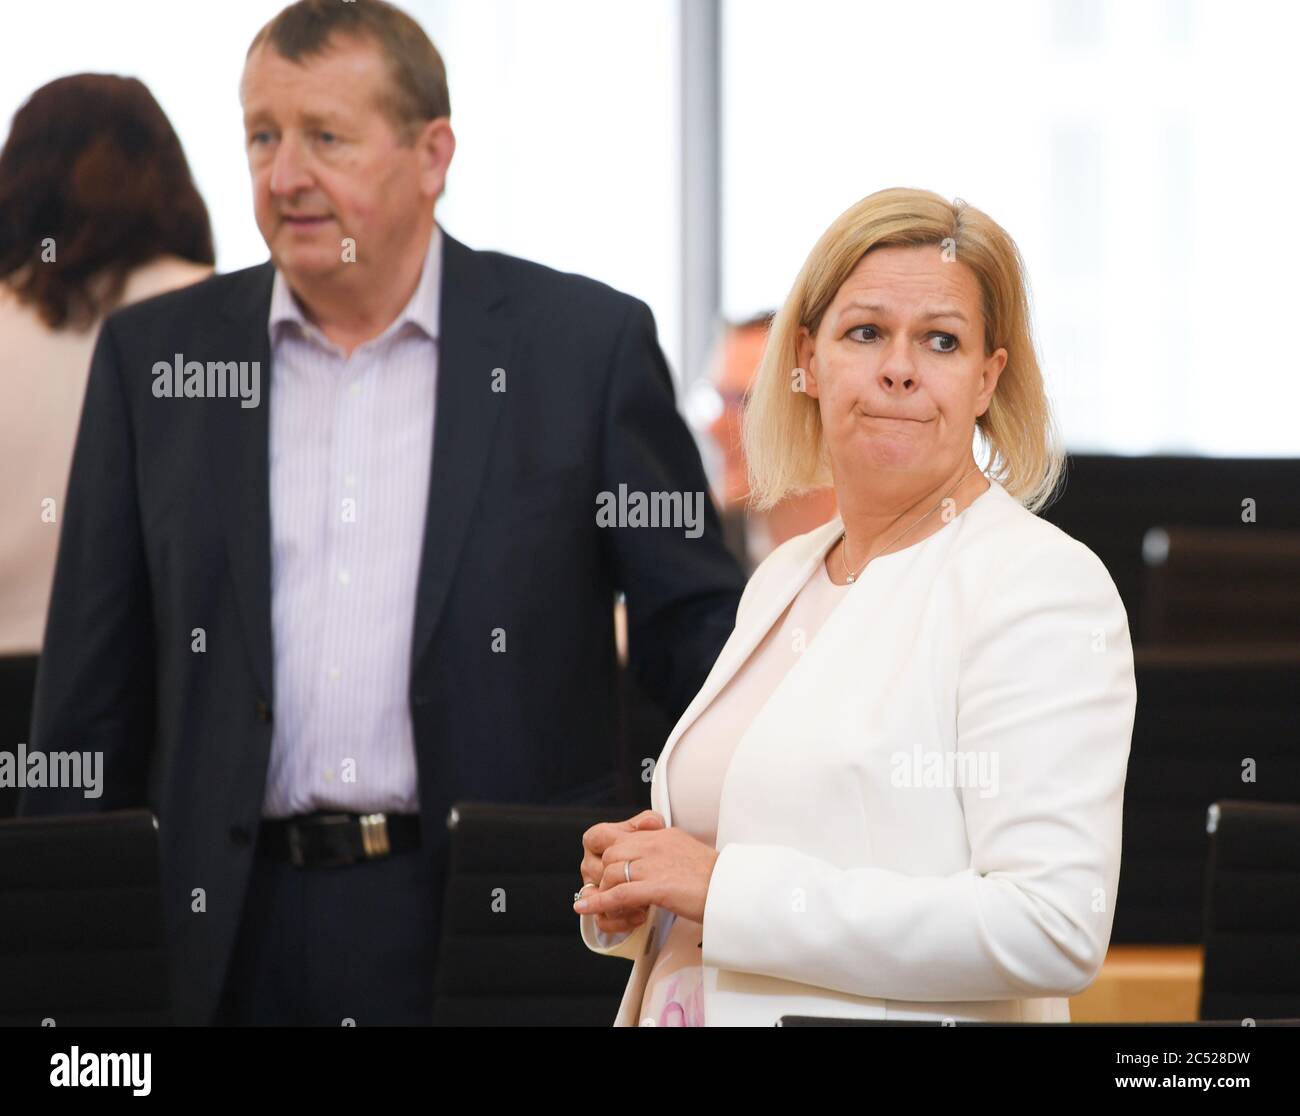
[509,952]
[1252,912]
[1237,585]
[82,940]
[1110,502]
[1210,725]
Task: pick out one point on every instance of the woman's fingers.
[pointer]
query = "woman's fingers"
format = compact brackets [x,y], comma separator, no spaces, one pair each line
[622,924]
[619,900]
[647,819]
[603,834]
[594,870]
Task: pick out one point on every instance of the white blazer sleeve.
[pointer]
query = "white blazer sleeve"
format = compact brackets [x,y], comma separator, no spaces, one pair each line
[1047,684]
[628,944]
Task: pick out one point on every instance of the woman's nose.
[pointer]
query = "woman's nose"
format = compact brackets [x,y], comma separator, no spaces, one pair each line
[898,372]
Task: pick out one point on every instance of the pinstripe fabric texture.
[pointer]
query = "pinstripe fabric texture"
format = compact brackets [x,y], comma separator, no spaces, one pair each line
[350,451]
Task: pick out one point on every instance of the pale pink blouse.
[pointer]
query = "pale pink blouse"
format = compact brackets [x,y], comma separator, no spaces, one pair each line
[674,995]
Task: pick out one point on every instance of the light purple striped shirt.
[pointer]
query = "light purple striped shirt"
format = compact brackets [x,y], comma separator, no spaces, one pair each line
[350,450]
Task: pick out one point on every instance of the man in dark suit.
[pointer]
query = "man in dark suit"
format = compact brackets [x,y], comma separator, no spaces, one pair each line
[342,541]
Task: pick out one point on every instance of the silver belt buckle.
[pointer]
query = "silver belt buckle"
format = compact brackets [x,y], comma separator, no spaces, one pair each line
[374,835]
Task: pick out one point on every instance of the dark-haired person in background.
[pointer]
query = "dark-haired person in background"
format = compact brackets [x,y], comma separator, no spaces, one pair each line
[97,210]
[394,563]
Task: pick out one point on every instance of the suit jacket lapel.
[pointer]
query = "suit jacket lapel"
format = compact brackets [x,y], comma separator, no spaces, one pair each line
[238,456]
[475,336]
[737,650]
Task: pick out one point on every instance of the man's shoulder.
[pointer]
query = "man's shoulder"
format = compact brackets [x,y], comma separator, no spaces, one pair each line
[196,300]
[532,282]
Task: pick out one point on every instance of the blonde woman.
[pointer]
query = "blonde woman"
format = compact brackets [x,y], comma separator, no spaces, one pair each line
[898,794]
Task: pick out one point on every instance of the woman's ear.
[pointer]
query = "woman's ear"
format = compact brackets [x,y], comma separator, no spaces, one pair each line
[993,367]
[804,378]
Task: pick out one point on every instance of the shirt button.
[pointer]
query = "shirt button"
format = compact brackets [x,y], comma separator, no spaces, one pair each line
[334,672]
[350,480]
[356,389]
[262,711]
[344,577]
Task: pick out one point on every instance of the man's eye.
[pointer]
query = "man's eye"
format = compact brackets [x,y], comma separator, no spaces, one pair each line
[327,137]
[859,329]
[946,337]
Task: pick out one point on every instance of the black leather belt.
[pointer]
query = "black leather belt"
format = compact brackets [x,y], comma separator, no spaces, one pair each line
[325,840]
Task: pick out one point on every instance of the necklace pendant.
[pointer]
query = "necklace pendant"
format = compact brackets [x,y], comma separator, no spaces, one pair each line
[851,579]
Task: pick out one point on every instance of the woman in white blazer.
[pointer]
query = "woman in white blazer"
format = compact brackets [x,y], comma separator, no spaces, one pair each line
[899,793]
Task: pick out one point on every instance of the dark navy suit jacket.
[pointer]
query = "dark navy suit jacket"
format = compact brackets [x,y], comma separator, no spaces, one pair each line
[166,528]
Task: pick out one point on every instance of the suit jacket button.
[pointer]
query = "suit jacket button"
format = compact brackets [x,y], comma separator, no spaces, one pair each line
[239,835]
[263,711]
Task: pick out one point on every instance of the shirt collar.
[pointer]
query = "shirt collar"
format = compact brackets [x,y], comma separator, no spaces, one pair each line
[421,310]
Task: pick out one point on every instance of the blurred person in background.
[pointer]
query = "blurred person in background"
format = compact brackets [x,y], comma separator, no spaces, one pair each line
[751,533]
[97,210]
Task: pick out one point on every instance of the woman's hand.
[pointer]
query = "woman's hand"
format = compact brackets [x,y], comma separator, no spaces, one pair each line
[670,869]
[594,843]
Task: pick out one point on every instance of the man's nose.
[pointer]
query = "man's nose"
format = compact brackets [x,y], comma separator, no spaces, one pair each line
[289,173]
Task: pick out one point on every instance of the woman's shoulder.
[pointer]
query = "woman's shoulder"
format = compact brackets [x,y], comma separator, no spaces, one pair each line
[798,550]
[162,274]
[789,556]
[1024,554]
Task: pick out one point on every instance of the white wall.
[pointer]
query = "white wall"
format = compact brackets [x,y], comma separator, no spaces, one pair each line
[565,113]
[1131,147]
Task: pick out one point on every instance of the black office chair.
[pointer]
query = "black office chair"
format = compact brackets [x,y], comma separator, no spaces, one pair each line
[1237,585]
[82,941]
[1200,714]
[1252,912]
[510,954]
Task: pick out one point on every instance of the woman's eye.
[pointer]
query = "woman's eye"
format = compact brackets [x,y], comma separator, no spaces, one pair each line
[947,342]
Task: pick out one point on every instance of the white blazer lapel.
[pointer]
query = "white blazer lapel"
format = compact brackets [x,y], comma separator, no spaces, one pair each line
[740,646]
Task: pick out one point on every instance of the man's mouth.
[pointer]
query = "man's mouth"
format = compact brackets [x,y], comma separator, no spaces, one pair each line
[304,221]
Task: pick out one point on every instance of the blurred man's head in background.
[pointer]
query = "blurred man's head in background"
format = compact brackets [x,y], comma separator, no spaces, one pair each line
[348,136]
[742,349]
[752,535]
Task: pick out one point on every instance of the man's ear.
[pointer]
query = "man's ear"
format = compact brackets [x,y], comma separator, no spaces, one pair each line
[805,346]
[436,144]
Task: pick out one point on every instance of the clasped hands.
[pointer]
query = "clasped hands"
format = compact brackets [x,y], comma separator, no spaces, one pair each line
[670,869]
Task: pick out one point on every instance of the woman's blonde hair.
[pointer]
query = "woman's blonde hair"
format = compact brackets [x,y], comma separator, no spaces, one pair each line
[782,430]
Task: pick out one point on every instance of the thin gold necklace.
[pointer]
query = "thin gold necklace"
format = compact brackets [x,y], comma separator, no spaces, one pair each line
[850,578]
